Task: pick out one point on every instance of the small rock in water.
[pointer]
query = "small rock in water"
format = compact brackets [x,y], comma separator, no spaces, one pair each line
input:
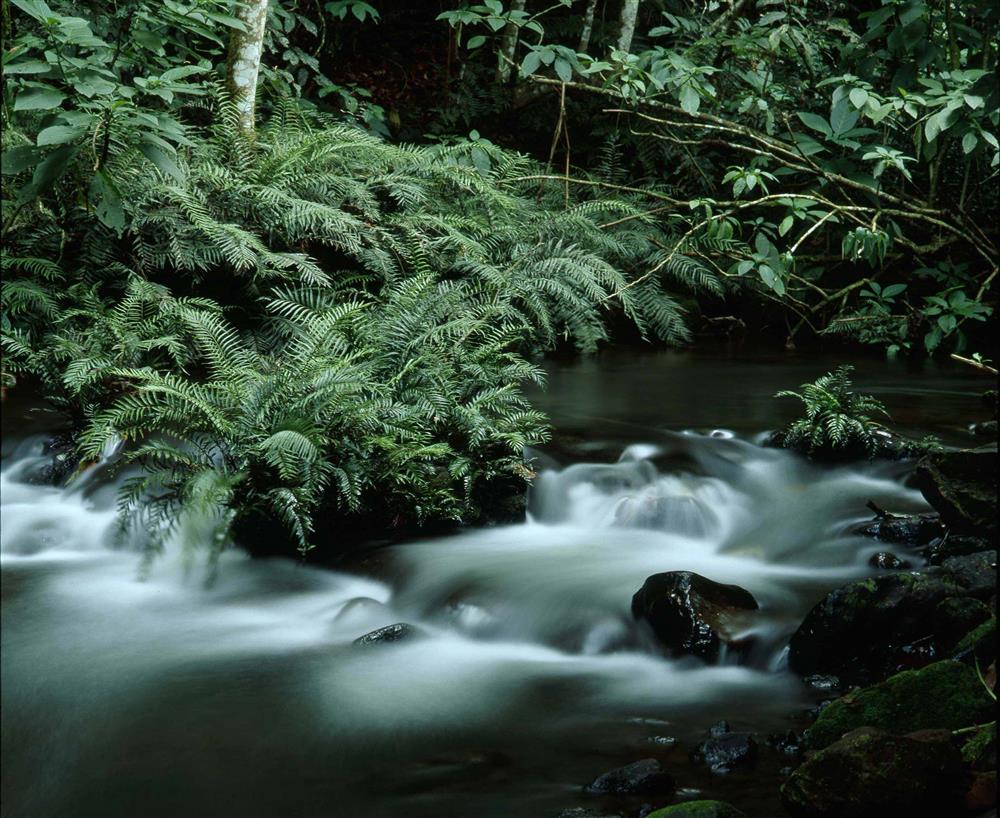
[726,750]
[390,633]
[662,741]
[887,561]
[821,681]
[645,777]
[788,743]
[584,812]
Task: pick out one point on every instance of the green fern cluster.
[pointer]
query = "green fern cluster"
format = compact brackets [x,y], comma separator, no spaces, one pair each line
[836,418]
[317,322]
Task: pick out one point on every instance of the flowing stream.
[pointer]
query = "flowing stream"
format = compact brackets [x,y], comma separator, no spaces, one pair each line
[157,697]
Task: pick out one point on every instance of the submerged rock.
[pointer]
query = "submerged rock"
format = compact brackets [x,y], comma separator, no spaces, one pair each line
[871,628]
[872,774]
[390,633]
[943,695]
[691,614]
[698,809]
[645,777]
[726,750]
[962,488]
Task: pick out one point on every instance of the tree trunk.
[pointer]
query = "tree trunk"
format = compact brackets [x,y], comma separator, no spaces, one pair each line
[630,10]
[588,26]
[243,65]
[508,47]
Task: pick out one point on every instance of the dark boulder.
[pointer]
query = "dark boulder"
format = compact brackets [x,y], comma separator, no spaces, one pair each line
[943,695]
[871,628]
[698,809]
[390,633]
[959,616]
[691,614]
[872,774]
[954,545]
[908,529]
[887,562]
[962,488]
[726,750]
[976,573]
[645,777]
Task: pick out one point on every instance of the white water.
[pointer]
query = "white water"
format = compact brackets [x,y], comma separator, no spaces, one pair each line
[526,632]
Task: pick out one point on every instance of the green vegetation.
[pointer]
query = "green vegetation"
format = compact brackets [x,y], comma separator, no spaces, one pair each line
[237,269]
[836,417]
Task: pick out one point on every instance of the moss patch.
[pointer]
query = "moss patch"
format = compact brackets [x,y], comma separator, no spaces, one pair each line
[942,695]
[980,751]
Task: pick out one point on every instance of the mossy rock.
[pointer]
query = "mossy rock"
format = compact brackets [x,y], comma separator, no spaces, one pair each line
[944,695]
[699,809]
[871,628]
[870,773]
[980,751]
[962,487]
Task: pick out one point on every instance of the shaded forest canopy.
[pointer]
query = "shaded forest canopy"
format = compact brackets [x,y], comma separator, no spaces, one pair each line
[297,259]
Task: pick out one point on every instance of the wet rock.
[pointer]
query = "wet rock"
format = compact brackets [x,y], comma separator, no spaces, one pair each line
[645,777]
[821,681]
[943,695]
[887,562]
[699,809]
[726,750]
[985,428]
[390,633]
[954,545]
[872,774]
[908,529]
[871,628]
[691,614]
[962,488]
[788,743]
[976,573]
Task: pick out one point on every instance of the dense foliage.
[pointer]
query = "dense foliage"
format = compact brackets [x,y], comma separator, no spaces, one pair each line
[310,317]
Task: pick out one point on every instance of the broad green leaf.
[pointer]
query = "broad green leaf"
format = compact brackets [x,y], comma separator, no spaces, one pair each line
[531,63]
[859,97]
[969,142]
[690,99]
[59,134]
[563,69]
[161,157]
[38,98]
[107,202]
[814,121]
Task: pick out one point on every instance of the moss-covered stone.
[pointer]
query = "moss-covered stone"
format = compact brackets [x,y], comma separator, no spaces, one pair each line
[699,809]
[942,695]
[871,774]
[980,751]
[962,488]
[868,629]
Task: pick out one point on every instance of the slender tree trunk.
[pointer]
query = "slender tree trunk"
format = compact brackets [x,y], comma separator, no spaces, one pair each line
[630,10]
[588,26]
[243,65]
[508,47]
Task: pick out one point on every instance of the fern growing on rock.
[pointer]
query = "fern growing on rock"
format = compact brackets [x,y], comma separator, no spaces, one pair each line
[837,420]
